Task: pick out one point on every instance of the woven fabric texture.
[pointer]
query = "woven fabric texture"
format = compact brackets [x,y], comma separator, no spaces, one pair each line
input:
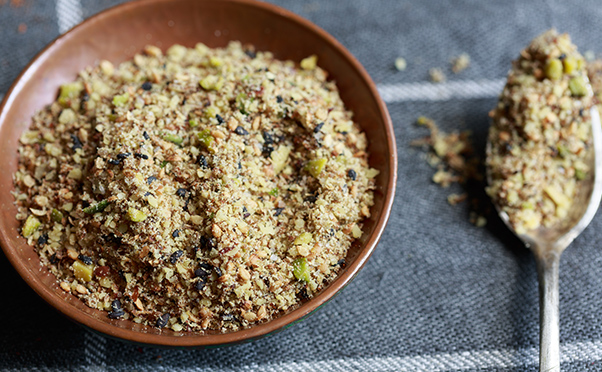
[439,294]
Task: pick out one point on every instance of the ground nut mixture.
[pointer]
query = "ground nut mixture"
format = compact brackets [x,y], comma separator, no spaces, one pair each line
[201,189]
[540,134]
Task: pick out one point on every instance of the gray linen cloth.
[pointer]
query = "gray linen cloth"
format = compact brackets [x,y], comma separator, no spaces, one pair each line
[439,294]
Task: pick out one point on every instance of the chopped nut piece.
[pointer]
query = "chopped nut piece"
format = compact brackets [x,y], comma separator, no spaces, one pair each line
[30,226]
[437,75]
[82,271]
[400,64]
[310,62]
[65,287]
[460,63]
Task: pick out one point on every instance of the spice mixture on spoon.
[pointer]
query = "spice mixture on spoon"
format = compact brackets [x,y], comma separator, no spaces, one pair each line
[540,134]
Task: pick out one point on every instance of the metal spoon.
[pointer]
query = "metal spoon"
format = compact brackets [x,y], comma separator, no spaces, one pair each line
[548,244]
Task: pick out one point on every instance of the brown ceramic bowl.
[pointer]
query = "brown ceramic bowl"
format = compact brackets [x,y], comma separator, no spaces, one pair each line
[117,34]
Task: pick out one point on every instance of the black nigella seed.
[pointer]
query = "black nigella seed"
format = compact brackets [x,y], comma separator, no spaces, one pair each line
[200,273]
[278,211]
[206,267]
[77,144]
[562,56]
[279,99]
[115,314]
[318,127]
[112,238]
[581,112]
[123,155]
[246,215]
[162,321]
[85,204]
[53,259]
[268,138]
[203,271]
[250,53]
[115,305]
[220,119]
[241,131]
[43,239]
[218,271]
[182,192]
[267,149]
[303,294]
[175,256]
[311,198]
[114,161]
[147,85]
[352,174]
[146,136]
[207,243]
[200,284]
[239,165]
[141,156]
[341,262]
[151,179]
[175,234]
[85,259]
[203,162]
[85,97]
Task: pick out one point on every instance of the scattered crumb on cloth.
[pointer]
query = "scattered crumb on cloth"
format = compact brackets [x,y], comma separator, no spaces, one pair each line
[437,75]
[460,63]
[453,155]
[400,64]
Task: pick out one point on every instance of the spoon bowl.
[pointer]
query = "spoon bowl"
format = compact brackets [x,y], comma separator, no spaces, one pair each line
[548,243]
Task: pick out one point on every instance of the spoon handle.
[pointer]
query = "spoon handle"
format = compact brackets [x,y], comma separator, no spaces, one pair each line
[549,344]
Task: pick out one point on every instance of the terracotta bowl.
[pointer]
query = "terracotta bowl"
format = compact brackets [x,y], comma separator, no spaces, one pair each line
[117,34]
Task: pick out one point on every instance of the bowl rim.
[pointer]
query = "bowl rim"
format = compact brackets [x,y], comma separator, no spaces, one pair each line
[256,331]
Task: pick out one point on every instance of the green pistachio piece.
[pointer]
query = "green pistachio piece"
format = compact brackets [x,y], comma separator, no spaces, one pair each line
[136,215]
[577,86]
[554,69]
[310,62]
[68,92]
[30,226]
[206,139]
[121,99]
[57,216]
[301,269]
[96,208]
[304,238]
[173,138]
[315,167]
